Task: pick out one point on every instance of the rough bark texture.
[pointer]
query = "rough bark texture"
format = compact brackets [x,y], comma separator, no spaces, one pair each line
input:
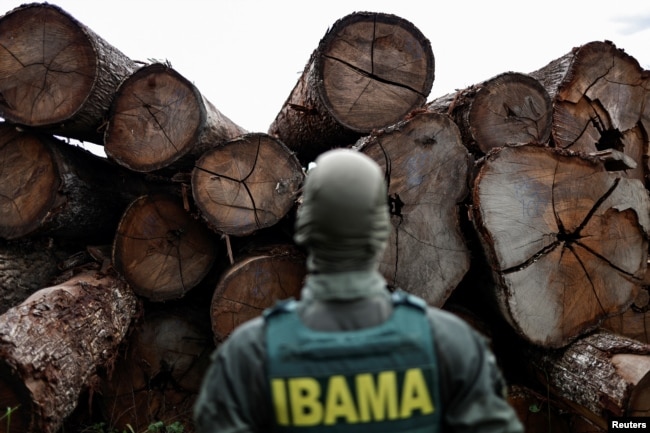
[160,119]
[66,85]
[247,184]
[599,97]
[598,376]
[566,240]
[50,187]
[511,108]
[368,72]
[161,249]
[426,168]
[253,283]
[52,344]
[28,265]
[158,376]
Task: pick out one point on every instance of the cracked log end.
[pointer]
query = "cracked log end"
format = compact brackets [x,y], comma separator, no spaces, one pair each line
[566,239]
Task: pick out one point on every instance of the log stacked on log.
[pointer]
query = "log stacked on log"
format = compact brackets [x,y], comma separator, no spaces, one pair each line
[247,184]
[599,98]
[426,168]
[368,72]
[540,182]
[67,84]
[52,344]
[566,240]
[511,108]
[160,119]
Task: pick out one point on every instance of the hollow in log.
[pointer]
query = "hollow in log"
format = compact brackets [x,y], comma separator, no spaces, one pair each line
[248,184]
[598,93]
[511,108]
[52,345]
[426,168]
[159,119]
[253,283]
[56,73]
[567,241]
[161,249]
[368,72]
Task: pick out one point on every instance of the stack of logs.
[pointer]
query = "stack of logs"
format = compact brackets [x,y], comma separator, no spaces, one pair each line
[518,203]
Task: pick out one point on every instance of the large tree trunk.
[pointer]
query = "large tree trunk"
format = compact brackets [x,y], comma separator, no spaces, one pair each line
[427,169]
[598,94]
[511,108]
[253,283]
[633,322]
[598,376]
[247,184]
[28,265]
[52,345]
[160,119]
[159,375]
[368,72]
[50,187]
[566,240]
[56,73]
[161,249]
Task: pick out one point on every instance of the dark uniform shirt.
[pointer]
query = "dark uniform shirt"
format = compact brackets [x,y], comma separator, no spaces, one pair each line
[235,394]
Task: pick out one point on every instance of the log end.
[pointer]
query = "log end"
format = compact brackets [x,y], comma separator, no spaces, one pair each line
[48,62]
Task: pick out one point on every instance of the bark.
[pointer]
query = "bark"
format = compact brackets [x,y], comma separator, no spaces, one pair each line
[247,184]
[159,119]
[511,108]
[566,240]
[597,376]
[159,373]
[49,187]
[161,249]
[56,73]
[52,345]
[28,265]
[426,168]
[368,72]
[253,283]
[598,94]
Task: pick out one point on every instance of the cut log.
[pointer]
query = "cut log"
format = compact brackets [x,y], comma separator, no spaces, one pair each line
[56,73]
[49,187]
[598,376]
[368,72]
[247,184]
[566,240]
[511,108]
[52,345]
[159,375]
[28,265]
[635,321]
[160,119]
[161,249]
[427,169]
[598,94]
[253,283]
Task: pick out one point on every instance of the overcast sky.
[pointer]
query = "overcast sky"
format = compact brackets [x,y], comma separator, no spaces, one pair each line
[245,56]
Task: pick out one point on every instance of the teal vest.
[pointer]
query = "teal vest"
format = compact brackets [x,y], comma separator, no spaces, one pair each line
[376,380]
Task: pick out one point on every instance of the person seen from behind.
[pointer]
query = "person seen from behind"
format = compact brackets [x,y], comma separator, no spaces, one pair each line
[350,356]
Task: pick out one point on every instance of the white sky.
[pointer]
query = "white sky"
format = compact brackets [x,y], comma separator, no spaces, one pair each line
[245,56]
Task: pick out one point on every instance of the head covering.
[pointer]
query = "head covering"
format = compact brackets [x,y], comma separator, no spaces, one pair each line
[343,220]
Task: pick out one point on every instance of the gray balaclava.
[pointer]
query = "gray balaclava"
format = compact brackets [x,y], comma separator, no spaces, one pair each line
[344,223]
